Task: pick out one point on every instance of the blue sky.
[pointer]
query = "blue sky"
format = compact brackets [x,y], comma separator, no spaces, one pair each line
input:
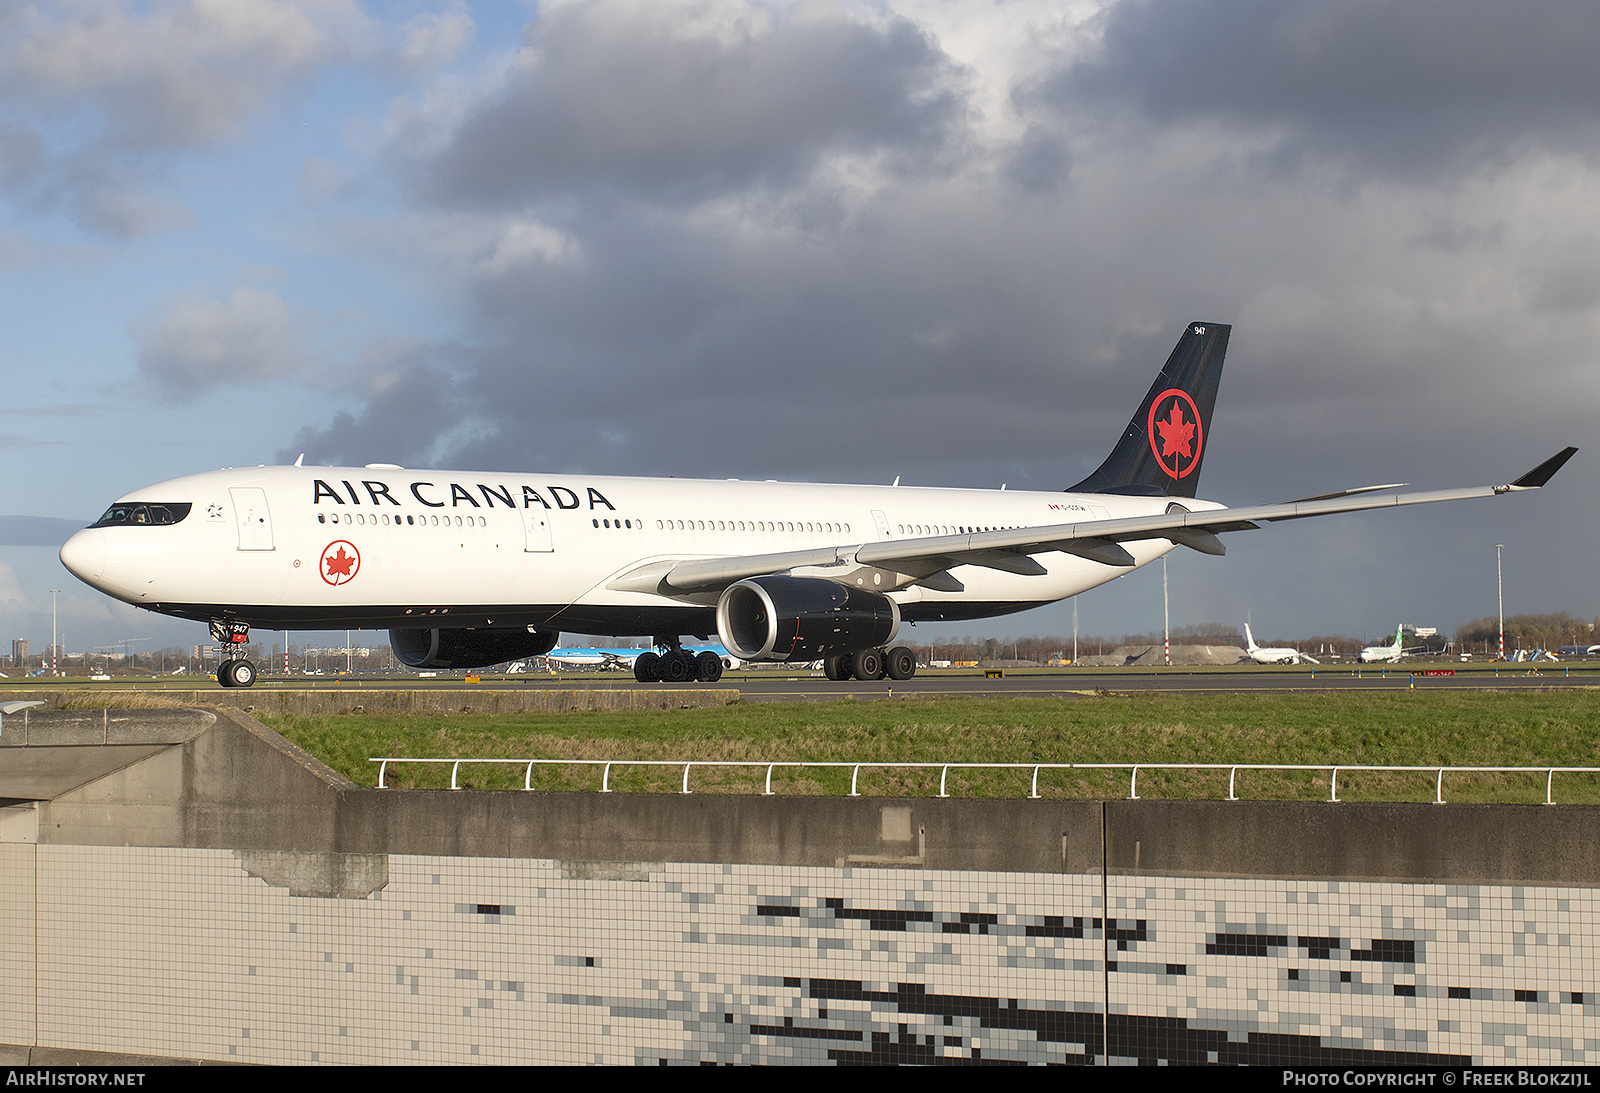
[835,241]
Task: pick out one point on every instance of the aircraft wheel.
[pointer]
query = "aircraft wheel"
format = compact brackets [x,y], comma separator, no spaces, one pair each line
[709,665]
[225,673]
[676,667]
[647,668]
[840,667]
[900,663]
[869,665]
[244,674]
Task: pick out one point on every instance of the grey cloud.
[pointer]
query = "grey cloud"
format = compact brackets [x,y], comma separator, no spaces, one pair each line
[1413,87]
[1040,161]
[37,530]
[178,74]
[1568,280]
[101,95]
[636,99]
[417,411]
[198,344]
[434,38]
[125,215]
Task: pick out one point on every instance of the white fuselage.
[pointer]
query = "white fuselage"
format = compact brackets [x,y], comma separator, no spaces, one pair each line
[290,547]
[1280,655]
[1275,656]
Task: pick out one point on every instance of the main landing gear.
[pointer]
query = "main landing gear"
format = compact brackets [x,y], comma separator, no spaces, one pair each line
[677,664]
[869,665]
[234,672]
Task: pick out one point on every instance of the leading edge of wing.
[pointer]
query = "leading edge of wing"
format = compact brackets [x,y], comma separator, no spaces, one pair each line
[1008,550]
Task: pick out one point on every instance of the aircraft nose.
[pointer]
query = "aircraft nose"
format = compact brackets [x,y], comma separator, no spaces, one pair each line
[84,555]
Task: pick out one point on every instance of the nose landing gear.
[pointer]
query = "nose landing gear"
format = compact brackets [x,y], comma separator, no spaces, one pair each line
[237,673]
[234,672]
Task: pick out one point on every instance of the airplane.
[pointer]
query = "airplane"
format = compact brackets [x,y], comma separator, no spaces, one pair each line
[468,569]
[1390,654]
[605,659]
[1273,656]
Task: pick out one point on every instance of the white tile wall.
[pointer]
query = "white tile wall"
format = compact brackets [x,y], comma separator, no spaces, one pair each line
[181,952]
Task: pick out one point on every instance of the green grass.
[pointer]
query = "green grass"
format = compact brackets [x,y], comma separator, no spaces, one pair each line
[1554,728]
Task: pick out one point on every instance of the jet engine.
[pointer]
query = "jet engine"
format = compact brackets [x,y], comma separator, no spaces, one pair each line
[469,648]
[802,618]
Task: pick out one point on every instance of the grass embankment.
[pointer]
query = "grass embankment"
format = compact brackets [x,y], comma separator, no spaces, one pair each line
[1556,728]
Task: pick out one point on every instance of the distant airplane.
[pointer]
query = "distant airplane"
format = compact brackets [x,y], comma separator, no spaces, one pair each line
[625,659]
[468,569]
[1273,656]
[1373,654]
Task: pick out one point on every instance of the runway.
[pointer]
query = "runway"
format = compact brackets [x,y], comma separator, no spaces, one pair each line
[776,685]
[773,685]
[767,686]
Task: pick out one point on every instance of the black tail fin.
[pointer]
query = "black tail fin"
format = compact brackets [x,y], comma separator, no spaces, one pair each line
[1159,455]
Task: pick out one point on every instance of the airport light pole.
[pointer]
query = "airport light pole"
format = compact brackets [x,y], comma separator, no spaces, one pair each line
[1500,595]
[1166,618]
[53,653]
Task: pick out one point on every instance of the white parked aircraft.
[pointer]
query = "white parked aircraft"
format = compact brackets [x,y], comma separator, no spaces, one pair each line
[1391,654]
[1273,656]
[468,569]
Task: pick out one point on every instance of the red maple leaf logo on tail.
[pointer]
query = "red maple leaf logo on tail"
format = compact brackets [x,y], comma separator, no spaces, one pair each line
[1175,434]
[1178,445]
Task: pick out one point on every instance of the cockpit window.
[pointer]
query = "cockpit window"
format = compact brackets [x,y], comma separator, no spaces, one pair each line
[142,512]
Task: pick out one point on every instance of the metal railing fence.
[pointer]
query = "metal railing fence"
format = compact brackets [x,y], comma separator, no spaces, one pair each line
[1332,769]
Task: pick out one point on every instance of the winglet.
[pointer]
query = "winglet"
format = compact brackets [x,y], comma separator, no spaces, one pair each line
[1543,472]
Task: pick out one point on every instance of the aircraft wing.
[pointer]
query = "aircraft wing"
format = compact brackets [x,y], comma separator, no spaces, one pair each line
[928,557]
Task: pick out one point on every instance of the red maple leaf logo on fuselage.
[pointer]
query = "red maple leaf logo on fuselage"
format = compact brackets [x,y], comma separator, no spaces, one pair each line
[339,565]
[341,561]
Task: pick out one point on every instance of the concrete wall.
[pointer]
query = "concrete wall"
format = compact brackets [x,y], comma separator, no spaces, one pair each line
[230,782]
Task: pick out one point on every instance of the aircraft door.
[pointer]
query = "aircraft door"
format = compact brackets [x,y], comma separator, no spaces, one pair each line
[251,514]
[536,532]
[882,522]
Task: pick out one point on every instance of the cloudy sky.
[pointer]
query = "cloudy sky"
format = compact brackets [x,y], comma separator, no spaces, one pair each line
[949,240]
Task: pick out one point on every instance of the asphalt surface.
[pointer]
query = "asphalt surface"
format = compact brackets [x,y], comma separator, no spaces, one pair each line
[786,687]
[772,685]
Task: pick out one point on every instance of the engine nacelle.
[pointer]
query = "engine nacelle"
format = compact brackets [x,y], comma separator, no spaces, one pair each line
[469,648]
[802,618]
